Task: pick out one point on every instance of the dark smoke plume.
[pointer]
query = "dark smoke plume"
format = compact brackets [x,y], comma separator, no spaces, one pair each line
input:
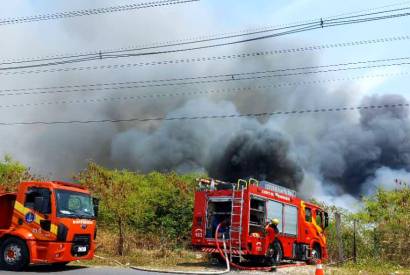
[261,154]
[351,154]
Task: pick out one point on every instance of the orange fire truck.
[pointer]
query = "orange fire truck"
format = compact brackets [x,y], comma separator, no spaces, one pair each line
[46,223]
[244,211]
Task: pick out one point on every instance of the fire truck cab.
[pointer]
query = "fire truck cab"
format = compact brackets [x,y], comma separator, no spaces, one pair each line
[245,210]
[46,223]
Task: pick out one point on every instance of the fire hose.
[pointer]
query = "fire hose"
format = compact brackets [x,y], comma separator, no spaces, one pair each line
[240,267]
[227,270]
[223,255]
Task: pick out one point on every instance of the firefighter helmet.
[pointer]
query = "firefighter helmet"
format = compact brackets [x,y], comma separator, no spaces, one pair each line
[274,221]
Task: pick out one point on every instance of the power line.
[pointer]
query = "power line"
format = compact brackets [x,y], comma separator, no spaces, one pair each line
[116,54]
[280,85]
[283,31]
[244,55]
[130,48]
[70,14]
[222,116]
[195,38]
[238,90]
[400,61]
[165,82]
[370,9]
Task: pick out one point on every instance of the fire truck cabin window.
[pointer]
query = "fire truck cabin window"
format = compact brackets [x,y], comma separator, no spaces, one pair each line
[290,220]
[319,220]
[275,212]
[74,205]
[308,214]
[34,193]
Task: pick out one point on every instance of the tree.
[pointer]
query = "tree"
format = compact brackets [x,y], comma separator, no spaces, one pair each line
[169,198]
[389,214]
[115,188]
[157,205]
[11,173]
[382,227]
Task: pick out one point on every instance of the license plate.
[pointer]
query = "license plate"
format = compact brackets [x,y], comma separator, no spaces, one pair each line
[82,249]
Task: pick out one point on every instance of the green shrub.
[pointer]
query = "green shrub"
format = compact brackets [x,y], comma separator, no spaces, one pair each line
[154,204]
[382,228]
[11,173]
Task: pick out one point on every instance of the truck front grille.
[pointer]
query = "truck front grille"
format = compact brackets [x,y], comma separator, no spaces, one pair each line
[81,245]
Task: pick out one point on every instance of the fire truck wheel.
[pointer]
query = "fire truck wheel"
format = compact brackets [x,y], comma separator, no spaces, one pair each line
[275,253]
[315,254]
[215,259]
[14,254]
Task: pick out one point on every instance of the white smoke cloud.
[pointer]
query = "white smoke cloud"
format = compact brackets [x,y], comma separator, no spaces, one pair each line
[314,187]
[386,178]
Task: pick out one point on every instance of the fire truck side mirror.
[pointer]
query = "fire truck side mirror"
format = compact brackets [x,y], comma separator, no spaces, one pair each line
[326,219]
[96,204]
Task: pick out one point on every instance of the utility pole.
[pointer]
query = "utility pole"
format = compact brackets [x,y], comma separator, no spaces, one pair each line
[339,237]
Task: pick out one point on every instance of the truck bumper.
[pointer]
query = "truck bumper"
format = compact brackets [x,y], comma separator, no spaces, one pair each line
[56,252]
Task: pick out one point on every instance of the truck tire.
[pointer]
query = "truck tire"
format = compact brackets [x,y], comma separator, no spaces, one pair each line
[14,254]
[275,253]
[215,259]
[316,254]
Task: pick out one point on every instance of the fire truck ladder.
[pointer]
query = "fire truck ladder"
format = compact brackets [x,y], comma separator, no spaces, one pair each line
[235,232]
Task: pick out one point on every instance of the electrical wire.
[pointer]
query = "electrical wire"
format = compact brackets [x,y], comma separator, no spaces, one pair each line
[138,97]
[222,116]
[217,78]
[283,31]
[70,14]
[165,43]
[274,52]
[201,92]
[111,55]
[131,48]
[400,61]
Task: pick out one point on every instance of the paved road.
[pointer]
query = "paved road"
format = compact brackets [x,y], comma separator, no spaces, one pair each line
[73,270]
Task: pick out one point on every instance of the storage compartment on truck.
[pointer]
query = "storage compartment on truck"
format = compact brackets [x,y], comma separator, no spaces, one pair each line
[257,215]
[218,210]
[6,208]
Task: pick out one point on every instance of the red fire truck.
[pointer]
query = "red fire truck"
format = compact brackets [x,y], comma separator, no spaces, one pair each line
[244,211]
[46,223]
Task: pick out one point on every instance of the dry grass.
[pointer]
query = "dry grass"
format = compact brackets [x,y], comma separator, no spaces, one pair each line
[395,244]
[147,252]
[369,267]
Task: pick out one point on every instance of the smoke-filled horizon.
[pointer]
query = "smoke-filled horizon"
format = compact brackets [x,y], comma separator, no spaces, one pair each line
[335,157]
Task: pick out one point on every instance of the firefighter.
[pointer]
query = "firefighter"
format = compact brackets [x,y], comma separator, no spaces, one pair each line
[216,220]
[271,232]
[272,226]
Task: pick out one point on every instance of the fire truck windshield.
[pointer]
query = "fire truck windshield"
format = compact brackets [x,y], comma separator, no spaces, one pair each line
[74,205]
